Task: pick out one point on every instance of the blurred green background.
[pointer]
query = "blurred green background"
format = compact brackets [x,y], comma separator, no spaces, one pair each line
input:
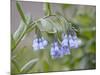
[25,60]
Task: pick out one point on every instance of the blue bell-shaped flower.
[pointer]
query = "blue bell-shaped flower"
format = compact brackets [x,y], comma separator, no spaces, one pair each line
[64,45]
[73,41]
[55,51]
[39,43]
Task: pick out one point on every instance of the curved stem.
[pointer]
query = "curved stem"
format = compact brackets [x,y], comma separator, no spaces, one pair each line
[48,16]
[22,35]
[27,29]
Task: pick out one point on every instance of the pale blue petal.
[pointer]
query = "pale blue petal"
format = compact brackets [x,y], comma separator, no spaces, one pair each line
[35,46]
[65,42]
[45,42]
[41,45]
[71,43]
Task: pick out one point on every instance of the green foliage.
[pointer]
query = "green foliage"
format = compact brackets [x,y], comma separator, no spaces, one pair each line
[51,25]
[28,65]
[12,42]
[20,12]
[47,9]
[25,60]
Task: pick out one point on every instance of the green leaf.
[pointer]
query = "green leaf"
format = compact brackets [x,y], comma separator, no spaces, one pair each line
[19,34]
[23,30]
[28,20]
[53,24]
[19,31]
[15,66]
[28,66]
[22,27]
[66,24]
[45,25]
[63,22]
[20,12]
[56,24]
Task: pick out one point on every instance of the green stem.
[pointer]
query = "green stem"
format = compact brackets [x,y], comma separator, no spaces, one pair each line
[29,29]
[32,26]
[48,16]
[47,9]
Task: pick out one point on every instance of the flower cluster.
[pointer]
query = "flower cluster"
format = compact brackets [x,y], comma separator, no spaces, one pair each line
[39,43]
[57,50]
[68,42]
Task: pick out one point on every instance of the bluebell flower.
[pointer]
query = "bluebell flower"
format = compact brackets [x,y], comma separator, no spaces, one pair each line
[35,44]
[55,51]
[65,50]
[64,45]
[64,42]
[39,43]
[45,42]
[73,41]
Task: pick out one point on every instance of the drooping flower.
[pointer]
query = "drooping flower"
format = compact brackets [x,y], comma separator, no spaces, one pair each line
[64,41]
[65,50]
[55,51]
[58,51]
[64,45]
[35,44]
[45,42]
[39,43]
[73,41]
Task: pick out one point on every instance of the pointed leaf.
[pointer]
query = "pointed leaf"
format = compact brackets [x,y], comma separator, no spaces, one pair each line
[28,66]
[19,31]
[20,12]
[15,66]
[45,25]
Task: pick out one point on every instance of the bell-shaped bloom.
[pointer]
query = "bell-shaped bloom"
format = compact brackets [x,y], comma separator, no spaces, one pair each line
[45,42]
[65,50]
[64,42]
[39,43]
[55,51]
[73,41]
[64,45]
